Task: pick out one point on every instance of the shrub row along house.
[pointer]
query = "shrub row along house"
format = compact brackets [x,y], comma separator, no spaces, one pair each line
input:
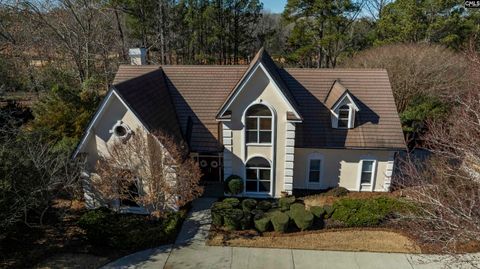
[277,128]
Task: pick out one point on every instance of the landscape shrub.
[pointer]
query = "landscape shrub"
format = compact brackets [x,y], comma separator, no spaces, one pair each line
[232,218]
[172,222]
[246,221]
[364,212]
[217,210]
[264,205]
[285,202]
[318,211]
[262,222]
[249,204]
[233,201]
[279,221]
[338,192]
[255,212]
[328,211]
[234,185]
[119,231]
[98,224]
[302,218]
[297,207]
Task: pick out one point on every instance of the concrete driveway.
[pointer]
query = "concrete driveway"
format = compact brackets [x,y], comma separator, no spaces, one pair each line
[190,251]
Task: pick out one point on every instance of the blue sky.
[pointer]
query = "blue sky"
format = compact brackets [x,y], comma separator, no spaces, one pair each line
[274,6]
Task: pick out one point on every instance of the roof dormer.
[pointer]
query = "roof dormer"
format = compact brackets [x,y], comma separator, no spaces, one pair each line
[342,106]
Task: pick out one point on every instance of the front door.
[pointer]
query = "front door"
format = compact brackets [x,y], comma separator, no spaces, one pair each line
[211,166]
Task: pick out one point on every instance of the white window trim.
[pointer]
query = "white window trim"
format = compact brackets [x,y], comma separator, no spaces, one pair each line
[359,174]
[346,100]
[258,130]
[128,131]
[349,122]
[258,194]
[315,185]
[272,145]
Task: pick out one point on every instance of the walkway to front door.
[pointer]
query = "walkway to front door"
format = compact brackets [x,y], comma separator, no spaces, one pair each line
[190,251]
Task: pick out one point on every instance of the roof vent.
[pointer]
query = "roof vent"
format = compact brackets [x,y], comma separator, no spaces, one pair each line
[138,56]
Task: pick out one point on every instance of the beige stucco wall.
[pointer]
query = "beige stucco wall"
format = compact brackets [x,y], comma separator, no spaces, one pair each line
[341,168]
[259,89]
[100,136]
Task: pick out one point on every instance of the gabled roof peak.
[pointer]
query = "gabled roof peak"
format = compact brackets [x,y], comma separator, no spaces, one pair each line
[336,94]
[261,58]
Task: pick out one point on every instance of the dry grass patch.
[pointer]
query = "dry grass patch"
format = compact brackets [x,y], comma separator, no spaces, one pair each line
[343,240]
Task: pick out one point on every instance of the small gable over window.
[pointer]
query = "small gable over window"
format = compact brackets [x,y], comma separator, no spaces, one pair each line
[342,106]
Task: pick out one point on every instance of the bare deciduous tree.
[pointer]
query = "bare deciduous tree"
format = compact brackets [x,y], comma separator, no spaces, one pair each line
[417,69]
[447,186]
[156,165]
[33,173]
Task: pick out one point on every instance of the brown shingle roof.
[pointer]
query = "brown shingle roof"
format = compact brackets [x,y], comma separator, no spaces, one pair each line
[197,93]
[336,91]
[148,97]
[377,122]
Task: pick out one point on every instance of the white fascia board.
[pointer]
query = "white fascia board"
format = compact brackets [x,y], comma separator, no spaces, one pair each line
[97,116]
[340,101]
[99,112]
[244,82]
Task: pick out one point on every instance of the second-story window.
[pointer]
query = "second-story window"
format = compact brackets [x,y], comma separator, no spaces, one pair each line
[258,125]
[343,116]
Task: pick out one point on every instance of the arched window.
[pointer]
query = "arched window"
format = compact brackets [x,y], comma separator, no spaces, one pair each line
[258,175]
[343,116]
[259,125]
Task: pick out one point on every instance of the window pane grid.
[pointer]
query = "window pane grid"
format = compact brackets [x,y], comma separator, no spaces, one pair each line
[314,170]
[367,172]
[343,116]
[257,177]
[259,125]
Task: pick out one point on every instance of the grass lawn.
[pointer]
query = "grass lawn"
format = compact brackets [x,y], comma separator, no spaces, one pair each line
[342,239]
[358,221]
[349,221]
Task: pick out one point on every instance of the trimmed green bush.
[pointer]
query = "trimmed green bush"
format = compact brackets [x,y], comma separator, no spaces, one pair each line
[262,222]
[233,201]
[297,206]
[129,232]
[338,192]
[279,221]
[302,218]
[218,210]
[172,223]
[234,185]
[232,219]
[249,204]
[256,212]
[318,211]
[364,212]
[264,205]
[328,211]
[285,202]
[246,221]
